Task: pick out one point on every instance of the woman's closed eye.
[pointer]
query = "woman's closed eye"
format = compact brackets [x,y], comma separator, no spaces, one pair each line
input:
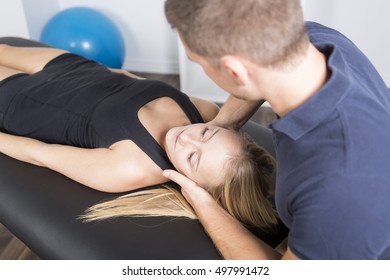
[204,132]
[194,157]
[208,133]
[190,157]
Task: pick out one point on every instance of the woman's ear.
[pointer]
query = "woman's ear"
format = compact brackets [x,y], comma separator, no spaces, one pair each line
[234,67]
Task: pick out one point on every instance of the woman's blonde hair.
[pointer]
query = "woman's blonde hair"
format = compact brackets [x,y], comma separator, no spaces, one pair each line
[249,182]
[249,186]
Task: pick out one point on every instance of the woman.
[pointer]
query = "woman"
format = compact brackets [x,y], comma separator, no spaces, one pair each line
[114,133]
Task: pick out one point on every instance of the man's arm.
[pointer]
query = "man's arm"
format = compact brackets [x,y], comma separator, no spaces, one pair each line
[236,112]
[232,239]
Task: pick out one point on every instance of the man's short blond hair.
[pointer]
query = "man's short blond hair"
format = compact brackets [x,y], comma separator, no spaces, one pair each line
[268,32]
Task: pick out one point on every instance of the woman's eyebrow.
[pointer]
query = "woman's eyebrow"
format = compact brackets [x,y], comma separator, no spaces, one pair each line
[200,156]
[215,132]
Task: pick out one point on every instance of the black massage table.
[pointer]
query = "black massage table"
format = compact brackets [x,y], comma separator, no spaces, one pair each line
[40,207]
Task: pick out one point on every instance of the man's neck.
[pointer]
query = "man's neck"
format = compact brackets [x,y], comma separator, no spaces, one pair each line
[297,86]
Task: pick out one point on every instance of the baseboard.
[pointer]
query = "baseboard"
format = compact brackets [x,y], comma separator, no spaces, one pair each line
[151,66]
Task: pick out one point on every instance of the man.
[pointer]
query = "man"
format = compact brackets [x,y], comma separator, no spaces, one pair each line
[331,137]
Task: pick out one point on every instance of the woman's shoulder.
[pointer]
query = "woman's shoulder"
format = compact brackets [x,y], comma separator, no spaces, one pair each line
[207,109]
[133,167]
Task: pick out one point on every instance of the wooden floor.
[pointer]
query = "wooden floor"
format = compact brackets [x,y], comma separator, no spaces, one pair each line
[11,248]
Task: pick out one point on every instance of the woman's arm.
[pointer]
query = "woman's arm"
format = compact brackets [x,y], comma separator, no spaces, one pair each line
[108,170]
[127,73]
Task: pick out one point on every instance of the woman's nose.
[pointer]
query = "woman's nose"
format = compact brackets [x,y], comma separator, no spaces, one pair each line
[187,139]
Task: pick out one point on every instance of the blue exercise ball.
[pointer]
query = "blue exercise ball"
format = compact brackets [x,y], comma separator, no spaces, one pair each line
[86,32]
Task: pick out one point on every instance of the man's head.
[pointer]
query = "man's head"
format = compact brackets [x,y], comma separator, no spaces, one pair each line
[267,32]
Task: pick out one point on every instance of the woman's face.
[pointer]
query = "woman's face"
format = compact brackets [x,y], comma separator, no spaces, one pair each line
[200,151]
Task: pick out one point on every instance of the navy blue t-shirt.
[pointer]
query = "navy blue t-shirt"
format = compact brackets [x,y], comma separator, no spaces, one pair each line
[333,156]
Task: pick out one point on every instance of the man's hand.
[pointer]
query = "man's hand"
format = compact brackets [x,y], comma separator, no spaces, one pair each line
[231,238]
[194,194]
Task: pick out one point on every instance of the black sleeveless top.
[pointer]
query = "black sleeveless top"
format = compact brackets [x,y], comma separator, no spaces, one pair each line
[78,102]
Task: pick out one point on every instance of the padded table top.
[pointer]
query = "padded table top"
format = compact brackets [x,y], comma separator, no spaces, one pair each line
[40,207]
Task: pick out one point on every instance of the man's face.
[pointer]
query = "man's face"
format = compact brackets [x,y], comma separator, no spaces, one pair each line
[215,73]
[239,83]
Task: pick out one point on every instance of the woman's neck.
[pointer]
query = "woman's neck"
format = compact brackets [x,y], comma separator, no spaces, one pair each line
[161,114]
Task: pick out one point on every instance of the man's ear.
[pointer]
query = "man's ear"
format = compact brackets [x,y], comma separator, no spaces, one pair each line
[234,67]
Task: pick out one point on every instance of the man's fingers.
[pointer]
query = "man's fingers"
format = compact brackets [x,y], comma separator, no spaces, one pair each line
[178,178]
[186,184]
[194,194]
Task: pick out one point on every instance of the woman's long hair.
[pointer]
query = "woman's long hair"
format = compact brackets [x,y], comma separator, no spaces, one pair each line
[248,183]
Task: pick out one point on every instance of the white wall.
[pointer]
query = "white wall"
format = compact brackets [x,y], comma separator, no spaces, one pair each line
[365,22]
[12,20]
[37,14]
[151,44]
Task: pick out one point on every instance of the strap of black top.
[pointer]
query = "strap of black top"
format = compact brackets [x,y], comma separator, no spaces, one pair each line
[144,140]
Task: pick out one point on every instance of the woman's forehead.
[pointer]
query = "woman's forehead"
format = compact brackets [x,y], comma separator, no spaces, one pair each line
[216,155]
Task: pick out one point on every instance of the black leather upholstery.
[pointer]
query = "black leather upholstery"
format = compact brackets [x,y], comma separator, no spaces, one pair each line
[41,207]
